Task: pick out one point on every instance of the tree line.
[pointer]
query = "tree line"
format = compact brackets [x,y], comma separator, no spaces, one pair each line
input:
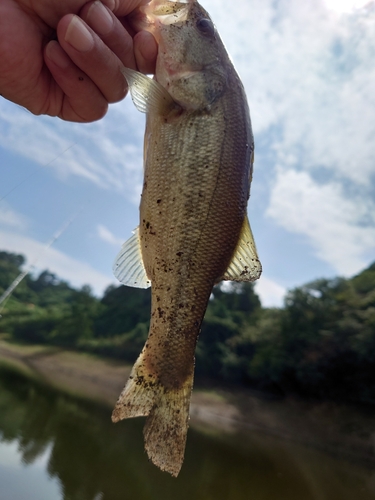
[320,344]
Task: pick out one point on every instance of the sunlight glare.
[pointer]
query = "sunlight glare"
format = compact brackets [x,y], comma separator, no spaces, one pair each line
[345,5]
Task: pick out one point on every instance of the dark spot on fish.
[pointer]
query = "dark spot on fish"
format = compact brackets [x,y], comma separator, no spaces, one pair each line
[80,78]
[158,201]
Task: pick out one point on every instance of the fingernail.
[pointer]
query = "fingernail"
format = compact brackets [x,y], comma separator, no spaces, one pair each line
[56,54]
[148,45]
[99,18]
[78,35]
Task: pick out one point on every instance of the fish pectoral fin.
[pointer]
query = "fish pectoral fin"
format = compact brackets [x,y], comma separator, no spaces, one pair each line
[147,93]
[167,412]
[245,264]
[128,267]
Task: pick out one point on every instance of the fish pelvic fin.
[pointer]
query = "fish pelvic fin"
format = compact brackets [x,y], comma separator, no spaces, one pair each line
[245,264]
[167,412]
[128,267]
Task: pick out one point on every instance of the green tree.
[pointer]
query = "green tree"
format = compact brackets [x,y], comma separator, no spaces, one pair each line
[123,308]
[222,347]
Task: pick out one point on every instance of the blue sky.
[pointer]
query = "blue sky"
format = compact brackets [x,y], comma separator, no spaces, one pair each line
[309,73]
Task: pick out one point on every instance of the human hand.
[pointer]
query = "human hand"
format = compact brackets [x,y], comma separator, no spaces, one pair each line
[77,75]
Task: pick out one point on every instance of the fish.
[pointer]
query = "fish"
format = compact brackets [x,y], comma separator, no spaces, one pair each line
[194,229]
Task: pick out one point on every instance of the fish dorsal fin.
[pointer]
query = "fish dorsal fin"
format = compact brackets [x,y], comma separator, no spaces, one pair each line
[245,264]
[128,267]
[147,93]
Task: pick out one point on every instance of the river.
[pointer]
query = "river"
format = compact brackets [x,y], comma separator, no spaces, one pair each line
[55,446]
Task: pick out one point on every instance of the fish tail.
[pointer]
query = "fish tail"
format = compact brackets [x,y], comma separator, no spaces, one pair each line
[167,412]
[138,396]
[166,428]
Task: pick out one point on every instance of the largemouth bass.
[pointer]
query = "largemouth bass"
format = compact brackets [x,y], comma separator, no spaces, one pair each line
[194,231]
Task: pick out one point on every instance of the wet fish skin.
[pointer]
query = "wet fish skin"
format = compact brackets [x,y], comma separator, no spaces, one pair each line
[193,226]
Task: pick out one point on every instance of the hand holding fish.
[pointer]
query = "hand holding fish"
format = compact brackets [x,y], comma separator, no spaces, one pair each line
[62,58]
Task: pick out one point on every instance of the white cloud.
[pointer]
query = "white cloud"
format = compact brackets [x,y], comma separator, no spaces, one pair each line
[341,230]
[309,76]
[307,72]
[271,293]
[65,267]
[107,153]
[10,218]
[345,5]
[106,235]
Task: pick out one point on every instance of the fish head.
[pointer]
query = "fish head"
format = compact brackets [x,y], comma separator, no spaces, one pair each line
[192,62]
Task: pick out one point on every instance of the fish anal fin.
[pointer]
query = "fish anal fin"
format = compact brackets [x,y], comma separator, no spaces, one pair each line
[128,267]
[167,412]
[148,94]
[245,264]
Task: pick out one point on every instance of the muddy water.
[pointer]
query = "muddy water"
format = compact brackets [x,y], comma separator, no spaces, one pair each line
[53,446]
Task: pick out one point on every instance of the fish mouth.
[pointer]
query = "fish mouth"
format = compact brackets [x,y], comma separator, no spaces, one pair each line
[163,8]
[166,12]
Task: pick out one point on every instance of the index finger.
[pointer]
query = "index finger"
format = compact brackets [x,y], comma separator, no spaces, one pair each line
[51,11]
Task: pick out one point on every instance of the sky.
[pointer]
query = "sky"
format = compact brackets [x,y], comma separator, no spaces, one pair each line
[309,73]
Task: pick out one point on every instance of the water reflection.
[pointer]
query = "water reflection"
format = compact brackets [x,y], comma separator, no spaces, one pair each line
[22,482]
[92,459]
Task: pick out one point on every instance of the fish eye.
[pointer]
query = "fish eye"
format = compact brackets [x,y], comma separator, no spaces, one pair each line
[206,26]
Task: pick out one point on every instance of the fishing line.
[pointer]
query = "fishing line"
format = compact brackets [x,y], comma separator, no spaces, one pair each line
[5,296]
[34,172]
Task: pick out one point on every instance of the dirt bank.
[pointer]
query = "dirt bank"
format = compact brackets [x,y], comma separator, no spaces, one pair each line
[336,429]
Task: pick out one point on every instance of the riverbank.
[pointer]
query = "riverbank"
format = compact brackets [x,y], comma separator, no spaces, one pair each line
[339,430]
